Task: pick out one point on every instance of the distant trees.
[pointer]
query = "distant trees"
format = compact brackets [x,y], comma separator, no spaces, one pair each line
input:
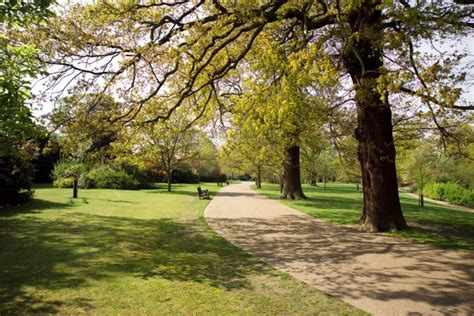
[428,164]
[170,143]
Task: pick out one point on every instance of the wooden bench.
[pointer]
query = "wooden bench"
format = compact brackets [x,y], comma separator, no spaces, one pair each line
[203,194]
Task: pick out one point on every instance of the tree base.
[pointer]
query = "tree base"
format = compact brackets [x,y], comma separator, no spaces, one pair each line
[373,227]
[294,196]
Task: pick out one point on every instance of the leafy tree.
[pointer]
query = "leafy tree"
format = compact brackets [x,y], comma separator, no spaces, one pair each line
[70,169]
[170,143]
[86,122]
[373,43]
[326,165]
[18,64]
[248,151]
[419,165]
[49,152]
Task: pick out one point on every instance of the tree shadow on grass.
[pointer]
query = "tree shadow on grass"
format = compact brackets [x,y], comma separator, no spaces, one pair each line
[438,225]
[32,207]
[71,252]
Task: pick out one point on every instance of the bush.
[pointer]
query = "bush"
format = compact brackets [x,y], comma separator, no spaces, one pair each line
[450,192]
[434,190]
[86,181]
[107,177]
[63,182]
[15,179]
[184,176]
[136,173]
[104,176]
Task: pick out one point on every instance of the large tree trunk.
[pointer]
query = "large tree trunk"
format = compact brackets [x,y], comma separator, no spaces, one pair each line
[376,151]
[291,177]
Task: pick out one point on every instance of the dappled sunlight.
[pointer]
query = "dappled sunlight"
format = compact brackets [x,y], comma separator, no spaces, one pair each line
[380,274]
[342,204]
[73,252]
[156,251]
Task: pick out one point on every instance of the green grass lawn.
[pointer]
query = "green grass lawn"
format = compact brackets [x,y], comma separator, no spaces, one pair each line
[342,204]
[136,252]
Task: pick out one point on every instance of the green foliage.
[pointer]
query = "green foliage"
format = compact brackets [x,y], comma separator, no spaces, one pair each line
[184,175]
[18,64]
[63,182]
[450,192]
[86,123]
[108,177]
[86,180]
[67,169]
[49,154]
[15,176]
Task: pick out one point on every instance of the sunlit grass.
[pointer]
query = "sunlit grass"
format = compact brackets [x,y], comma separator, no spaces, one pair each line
[342,204]
[136,252]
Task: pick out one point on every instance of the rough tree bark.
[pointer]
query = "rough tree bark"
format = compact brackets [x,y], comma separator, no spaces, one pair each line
[376,151]
[291,175]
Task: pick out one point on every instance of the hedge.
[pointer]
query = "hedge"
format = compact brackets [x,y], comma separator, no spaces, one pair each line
[450,192]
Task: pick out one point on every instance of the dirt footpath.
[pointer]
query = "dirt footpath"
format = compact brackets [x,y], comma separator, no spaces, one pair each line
[379,274]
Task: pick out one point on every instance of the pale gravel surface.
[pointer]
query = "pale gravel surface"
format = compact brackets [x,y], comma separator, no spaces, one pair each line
[379,274]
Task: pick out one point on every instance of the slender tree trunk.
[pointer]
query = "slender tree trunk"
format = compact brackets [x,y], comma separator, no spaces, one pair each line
[291,178]
[282,183]
[75,188]
[313,180]
[258,180]
[421,197]
[376,151]
[168,179]
[325,181]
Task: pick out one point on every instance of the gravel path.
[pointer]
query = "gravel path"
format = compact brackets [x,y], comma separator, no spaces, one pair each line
[379,274]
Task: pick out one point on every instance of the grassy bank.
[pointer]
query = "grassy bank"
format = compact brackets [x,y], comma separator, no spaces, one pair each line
[342,204]
[136,252]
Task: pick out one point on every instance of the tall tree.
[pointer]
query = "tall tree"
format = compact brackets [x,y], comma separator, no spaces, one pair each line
[18,65]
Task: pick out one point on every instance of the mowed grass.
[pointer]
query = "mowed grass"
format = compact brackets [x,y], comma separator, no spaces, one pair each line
[136,252]
[342,204]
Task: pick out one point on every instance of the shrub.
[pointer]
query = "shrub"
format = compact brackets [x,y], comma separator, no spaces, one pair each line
[87,181]
[184,176]
[136,173]
[63,182]
[15,179]
[104,176]
[450,192]
[434,190]
[108,177]
[64,173]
